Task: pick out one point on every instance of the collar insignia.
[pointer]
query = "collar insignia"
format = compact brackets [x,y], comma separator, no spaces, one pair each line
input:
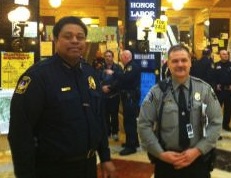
[23,85]
[66,89]
[91,83]
[129,68]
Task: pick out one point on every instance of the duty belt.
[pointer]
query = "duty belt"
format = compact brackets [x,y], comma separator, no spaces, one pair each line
[88,155]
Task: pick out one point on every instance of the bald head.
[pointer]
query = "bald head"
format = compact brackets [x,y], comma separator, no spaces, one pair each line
[224,55]
[126,56]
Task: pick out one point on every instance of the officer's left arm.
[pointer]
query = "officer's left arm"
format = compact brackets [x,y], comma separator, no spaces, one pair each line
[26,108]
[214,113]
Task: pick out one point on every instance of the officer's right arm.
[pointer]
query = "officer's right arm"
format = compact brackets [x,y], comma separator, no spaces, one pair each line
[147,118]
[26,108]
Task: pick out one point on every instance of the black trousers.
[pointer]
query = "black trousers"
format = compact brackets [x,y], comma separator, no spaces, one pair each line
[198,169]
[67,169]
[111,114]
[130,113]
[224,98]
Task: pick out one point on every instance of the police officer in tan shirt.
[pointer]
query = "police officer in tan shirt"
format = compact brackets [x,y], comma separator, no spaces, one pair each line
[203,127]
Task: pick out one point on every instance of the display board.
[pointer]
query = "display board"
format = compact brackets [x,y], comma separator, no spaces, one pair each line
[13,64]
[147,81]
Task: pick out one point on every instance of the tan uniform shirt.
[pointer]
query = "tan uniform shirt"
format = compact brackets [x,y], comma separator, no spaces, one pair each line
[201,93]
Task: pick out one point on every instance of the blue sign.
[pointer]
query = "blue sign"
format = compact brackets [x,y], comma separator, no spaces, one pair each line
[147,81]
[148,61]
[138,9]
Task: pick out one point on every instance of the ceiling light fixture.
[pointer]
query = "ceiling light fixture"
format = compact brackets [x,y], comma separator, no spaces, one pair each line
[178,4]
[55,3]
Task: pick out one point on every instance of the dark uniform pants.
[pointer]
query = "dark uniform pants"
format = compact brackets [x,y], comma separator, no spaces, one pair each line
[198,169]
[224,98]
[85,168]
[130,108]
[111,114]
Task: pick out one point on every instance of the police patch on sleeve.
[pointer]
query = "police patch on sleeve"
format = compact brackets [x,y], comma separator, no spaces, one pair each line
[91,83]
[23,85]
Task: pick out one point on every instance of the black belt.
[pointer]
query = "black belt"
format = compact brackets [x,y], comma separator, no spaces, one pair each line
[88,155]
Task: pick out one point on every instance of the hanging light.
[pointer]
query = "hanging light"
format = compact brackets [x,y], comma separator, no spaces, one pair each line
[206,23]
[177,5]
[163,16]
[145,22]
[55,3]
[20,14]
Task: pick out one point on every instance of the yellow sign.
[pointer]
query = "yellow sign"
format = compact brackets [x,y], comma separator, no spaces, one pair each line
[160,26]
[13,65]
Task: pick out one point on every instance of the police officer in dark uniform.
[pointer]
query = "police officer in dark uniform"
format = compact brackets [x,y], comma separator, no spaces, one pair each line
[222,80]
[129,84]
[202,68]
[111,95]
[56,123]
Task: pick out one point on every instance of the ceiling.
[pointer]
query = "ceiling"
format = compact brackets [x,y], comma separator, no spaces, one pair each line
[185,16]
[175,17]
[200,4]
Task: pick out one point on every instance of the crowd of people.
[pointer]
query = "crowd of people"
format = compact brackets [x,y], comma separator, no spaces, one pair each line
[65,110]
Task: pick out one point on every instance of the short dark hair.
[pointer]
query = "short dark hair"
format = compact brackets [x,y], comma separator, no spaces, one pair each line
[178,47]
[206,52]
[109,51]
[68,20]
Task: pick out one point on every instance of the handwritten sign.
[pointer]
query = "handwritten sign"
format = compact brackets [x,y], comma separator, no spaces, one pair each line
[160,26]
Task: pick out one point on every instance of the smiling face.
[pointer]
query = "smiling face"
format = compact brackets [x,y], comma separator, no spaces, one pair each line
[71,43]
[179,64]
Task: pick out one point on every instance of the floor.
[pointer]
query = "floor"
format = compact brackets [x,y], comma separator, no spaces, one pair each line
[224,144]
[6,168]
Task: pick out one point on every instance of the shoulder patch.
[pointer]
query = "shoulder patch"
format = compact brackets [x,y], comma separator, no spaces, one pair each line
[91,83]
[23,85]
[213,94]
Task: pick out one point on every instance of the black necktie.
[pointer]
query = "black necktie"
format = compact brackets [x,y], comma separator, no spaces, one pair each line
[183,119]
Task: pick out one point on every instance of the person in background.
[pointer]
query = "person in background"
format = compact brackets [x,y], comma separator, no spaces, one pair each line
[129,85]
[111,95]
[56,123]
[183,136]
[222,80]
[202,68]
[99,62]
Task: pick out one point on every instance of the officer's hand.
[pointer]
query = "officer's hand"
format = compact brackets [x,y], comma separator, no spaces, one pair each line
[108,71]
[108,170]
[106,88]
[188,157]
[171,157]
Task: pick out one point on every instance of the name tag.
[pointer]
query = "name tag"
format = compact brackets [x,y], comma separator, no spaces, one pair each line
[190,130]
[66,89]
